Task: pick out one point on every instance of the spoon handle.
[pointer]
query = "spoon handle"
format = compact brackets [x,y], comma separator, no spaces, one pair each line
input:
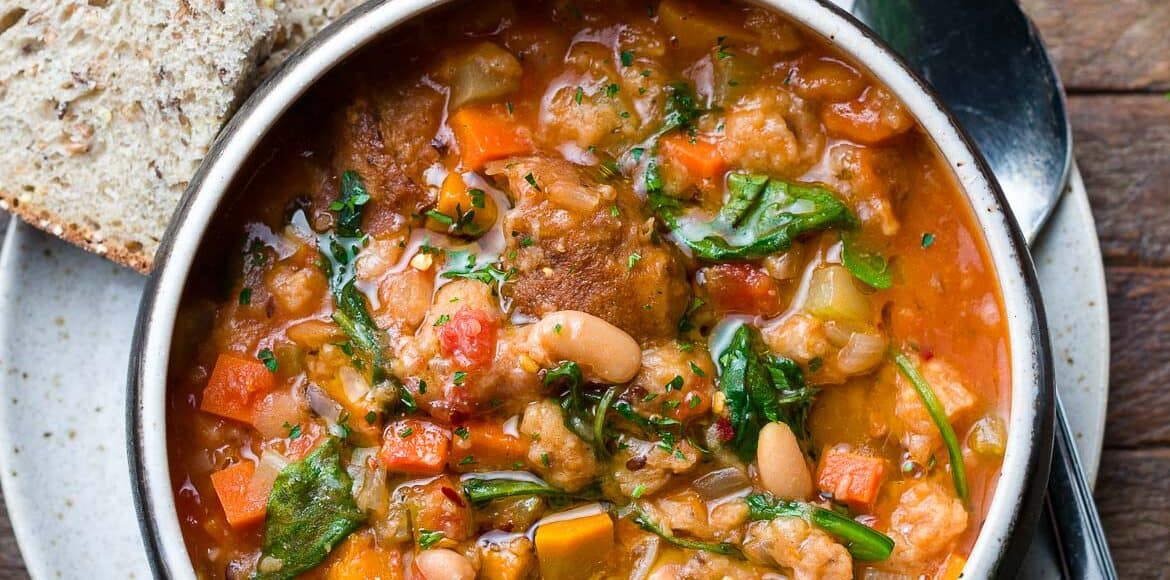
[1080,537]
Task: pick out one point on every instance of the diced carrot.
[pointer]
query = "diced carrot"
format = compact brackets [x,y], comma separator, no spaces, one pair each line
[359,557]
[487,132]
[415,446]
[235,382]
[574,548]
[479,445]
[232,487]
[851,477]
[702,159]
[953,569]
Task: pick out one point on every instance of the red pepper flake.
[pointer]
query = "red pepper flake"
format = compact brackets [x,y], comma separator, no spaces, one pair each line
[723,430]
[927,354]
[453,496]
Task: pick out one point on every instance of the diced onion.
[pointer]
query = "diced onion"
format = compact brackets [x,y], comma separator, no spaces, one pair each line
[646,552]
[267,469]
[861,353]
[353,384]
[322,405]
[721,482]
[484,73]
[832,295]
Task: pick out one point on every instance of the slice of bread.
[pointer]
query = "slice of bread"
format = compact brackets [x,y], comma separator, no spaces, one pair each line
[108,106]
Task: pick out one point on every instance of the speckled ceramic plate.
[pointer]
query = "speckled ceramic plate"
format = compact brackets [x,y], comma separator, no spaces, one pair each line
[66,318]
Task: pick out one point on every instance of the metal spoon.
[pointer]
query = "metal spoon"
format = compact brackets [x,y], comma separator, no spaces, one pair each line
[988,64]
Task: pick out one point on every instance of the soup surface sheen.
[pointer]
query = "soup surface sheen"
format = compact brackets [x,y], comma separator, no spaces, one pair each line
[596,289]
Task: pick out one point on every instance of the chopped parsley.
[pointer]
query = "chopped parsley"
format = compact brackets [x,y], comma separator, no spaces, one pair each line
[462,432]
[245,296]
[459,378]
[469,460]
[371,417]
[443,319]
[294,431]
[578,95]
[557,329]
[638,491]
[637,152]
[532,181]
[927,240]
[422,387]
[628,58]
[675,384]
[407,432]
[544,459]
[698,371]
[268,359]
[526,241]
[427,538]
[477,198]
[633,260]
[614,211]
[612,90]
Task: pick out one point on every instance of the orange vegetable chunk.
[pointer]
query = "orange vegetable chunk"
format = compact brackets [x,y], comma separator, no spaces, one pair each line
[234,384]
[415,446]
[701,158]
[851,477]
[488,446]
[953,568]
[232,487]
[359,557]
[486,133]
[574,548]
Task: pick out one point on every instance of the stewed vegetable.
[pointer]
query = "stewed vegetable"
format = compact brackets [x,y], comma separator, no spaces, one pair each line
[588,290]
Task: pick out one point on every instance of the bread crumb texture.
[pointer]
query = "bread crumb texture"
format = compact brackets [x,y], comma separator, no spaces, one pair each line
[108,106]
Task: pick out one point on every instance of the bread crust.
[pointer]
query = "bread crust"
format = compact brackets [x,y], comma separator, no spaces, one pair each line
[107,108]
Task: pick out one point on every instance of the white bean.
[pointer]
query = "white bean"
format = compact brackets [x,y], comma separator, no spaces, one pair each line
[443,564]
[604,352]
[783,470]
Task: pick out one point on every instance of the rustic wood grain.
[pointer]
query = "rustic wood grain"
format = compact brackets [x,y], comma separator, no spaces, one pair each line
[1139,402]
[1123,148]
[1107,45]
[1136,509]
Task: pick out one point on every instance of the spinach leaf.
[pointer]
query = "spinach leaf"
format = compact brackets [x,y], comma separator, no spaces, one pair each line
[869,267]
[938,415]
[350,204]
[759,388]
[311,510]
[763,216]
[339,253]
[644,521]
[862,541]
[481,491]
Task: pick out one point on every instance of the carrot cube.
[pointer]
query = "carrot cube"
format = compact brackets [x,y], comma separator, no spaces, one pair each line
[574,548]
[415,446]
[232,487]
[235,382]
[702,159]
[485,445]
[486,133]
[851,477]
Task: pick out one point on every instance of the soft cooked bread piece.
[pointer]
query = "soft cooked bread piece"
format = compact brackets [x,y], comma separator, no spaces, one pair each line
[108,106]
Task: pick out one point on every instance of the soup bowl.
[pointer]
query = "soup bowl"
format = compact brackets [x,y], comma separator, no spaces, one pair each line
[1012,512]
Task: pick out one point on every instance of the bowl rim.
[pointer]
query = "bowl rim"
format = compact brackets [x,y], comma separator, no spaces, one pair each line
[1007,528]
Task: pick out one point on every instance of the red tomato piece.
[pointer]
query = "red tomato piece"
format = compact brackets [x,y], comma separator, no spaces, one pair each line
[415,446]
[742,288]
[469,338]
[851,477]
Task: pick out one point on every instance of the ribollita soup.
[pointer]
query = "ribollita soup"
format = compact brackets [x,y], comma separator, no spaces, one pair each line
[591,289]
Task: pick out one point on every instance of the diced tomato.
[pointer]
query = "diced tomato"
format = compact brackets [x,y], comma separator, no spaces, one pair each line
[479,445]
[851,477]
[415,446]
[487,132]
[742,288]
[469,338]
[243,506]
[234,385]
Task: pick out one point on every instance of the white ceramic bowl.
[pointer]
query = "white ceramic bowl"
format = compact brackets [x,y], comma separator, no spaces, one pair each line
[1008,526]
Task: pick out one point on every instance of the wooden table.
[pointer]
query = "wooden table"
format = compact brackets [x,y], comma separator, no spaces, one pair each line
[1114,57]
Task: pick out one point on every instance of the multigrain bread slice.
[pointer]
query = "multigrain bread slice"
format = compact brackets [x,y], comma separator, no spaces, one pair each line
[108,106]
